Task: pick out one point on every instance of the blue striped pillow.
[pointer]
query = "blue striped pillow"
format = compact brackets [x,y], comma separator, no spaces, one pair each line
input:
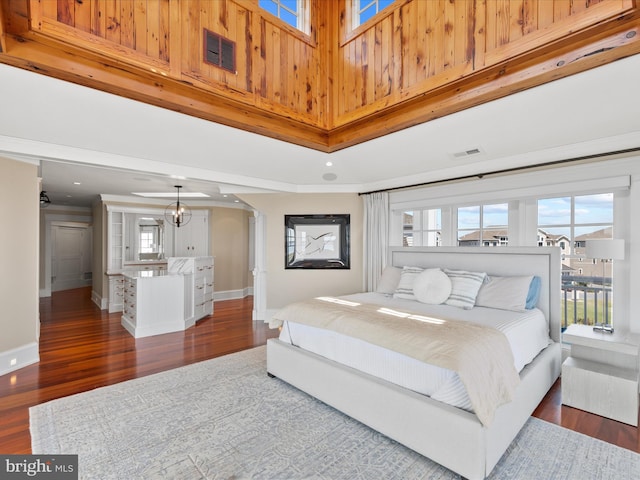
[464,287]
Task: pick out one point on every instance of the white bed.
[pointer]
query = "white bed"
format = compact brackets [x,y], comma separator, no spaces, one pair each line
[397,404]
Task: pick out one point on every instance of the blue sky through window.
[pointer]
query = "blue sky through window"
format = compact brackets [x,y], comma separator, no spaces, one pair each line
[588,209]
[368,8]
[591,213]
[496,215]
[285,10]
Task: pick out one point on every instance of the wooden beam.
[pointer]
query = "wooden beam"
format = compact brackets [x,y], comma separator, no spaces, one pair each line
[552,62]
[145,86]
[588,47]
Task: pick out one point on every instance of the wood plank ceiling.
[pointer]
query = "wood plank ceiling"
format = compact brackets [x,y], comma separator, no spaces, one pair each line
[332,88]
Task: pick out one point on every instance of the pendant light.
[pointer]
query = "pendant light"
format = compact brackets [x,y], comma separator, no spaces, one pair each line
[177,213]
[44,199]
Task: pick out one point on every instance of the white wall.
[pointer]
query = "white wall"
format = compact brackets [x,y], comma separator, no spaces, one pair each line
[620,175]
[19,248]
[285,286]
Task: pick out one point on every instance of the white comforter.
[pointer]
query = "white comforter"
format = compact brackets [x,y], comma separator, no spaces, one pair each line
[527,334]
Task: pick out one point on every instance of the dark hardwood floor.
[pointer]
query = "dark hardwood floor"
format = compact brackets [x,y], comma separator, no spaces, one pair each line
[82,348]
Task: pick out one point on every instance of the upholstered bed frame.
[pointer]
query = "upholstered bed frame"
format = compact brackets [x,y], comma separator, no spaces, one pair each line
[450,436]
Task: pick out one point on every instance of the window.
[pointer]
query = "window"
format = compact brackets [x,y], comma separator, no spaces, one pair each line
[365,9]
[293,12]
[569,222]
[422,228]
[483,225]
[147,239]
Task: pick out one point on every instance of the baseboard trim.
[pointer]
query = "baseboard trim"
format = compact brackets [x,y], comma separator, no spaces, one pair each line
[20,357]
[102,303]
[230,294]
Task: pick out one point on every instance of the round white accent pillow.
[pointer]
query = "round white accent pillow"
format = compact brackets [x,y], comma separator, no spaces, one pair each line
[432,286]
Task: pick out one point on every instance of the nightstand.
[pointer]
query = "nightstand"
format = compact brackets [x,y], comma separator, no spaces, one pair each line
[601,373]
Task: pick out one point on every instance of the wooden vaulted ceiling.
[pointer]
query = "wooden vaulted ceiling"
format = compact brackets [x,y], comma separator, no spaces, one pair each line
[413,62]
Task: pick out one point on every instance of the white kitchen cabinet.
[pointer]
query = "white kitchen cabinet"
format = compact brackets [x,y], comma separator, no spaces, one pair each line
[198,285]
[192,239]
[116,293]
[116,283]
[153,303]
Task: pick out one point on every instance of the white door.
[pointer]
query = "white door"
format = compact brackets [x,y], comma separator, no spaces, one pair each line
[71,257]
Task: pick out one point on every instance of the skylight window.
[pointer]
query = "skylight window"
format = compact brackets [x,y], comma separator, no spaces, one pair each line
[292,12]
[365,9]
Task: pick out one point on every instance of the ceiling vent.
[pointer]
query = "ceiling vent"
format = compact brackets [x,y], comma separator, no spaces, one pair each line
[219,51]
[467,153]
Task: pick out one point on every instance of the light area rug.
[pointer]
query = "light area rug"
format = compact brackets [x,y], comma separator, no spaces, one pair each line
[226,419]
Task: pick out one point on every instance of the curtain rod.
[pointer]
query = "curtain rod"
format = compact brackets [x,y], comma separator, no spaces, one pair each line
[506,170]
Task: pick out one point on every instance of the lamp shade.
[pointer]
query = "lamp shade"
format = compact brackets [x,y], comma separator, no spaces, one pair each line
[605,248]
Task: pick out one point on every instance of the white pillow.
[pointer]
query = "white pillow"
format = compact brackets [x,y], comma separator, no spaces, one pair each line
[464,287]
[432,286]
[505,293]
[405,286]
[389,280]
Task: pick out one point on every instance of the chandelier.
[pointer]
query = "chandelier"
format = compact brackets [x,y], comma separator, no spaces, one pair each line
[177,213]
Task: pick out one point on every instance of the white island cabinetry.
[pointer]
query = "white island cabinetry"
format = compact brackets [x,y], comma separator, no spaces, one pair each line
[153,303]
[198,285]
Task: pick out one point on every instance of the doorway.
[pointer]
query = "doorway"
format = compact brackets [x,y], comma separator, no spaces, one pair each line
[70,256]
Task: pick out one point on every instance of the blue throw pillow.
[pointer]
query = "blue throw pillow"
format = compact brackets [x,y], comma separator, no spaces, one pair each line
[534,293]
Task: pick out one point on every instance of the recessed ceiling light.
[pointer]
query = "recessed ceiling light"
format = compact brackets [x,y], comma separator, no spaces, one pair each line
[77,183]
[329,164]
[170,194]
[329,177]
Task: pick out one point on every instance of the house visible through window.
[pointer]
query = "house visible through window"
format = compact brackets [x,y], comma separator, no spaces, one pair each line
[363,10]
[483,225]
[293,12]
[422,228]
[569,223]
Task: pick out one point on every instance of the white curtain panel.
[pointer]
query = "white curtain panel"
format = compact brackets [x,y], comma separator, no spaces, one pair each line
[376,237]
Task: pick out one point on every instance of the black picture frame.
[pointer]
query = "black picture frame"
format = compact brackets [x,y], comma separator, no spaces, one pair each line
[317,241]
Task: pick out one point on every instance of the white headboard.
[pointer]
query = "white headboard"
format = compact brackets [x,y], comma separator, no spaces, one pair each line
[502,261]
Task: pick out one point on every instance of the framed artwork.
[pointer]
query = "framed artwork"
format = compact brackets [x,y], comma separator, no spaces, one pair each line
[317,241]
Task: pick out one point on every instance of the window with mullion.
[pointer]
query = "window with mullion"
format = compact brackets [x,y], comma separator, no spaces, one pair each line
[483,225]
[364,10]
[422,227]
[569,222]
[291,12]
